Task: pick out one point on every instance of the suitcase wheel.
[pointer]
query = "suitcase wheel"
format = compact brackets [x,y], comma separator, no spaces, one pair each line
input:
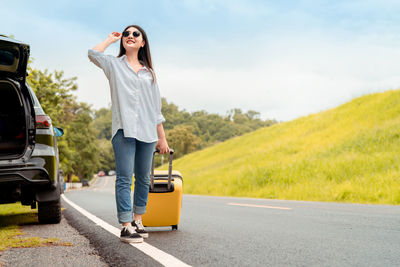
[174,227]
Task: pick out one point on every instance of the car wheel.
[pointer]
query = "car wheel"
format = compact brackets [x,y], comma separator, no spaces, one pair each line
[49,212]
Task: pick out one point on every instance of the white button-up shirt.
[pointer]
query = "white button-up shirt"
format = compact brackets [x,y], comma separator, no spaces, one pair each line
[135,99]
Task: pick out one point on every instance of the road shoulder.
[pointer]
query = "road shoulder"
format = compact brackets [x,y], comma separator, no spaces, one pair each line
[81,253]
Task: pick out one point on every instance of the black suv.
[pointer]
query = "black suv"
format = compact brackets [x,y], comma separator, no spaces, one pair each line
[29,170]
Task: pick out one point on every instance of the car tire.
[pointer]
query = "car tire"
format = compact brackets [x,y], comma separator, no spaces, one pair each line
[49,212]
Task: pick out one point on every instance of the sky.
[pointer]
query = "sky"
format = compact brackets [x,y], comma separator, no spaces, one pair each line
[284,59]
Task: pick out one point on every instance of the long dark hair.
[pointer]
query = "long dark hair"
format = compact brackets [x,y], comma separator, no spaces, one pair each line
[144,52]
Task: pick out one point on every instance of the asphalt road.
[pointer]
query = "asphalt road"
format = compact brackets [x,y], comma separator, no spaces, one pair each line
[225,231]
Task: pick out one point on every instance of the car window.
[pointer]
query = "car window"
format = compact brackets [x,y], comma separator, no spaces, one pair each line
[36,103]
[9,59]
[6,58]
[33,96]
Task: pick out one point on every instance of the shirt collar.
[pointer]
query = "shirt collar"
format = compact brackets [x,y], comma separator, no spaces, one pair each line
[123,57]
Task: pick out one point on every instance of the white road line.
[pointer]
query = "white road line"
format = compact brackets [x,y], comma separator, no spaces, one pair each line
[158,255]
[106,183]
[258,206]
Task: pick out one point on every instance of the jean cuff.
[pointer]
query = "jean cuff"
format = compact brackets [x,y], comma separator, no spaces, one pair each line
[139,209]
[125,216]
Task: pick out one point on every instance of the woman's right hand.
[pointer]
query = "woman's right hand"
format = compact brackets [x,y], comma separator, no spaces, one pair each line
[114,36]
[111,38]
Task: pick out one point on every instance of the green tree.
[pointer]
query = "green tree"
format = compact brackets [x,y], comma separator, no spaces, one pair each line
[102,123]
[182,140]
[172,115]
[106,155]
[54,93]
[82,139]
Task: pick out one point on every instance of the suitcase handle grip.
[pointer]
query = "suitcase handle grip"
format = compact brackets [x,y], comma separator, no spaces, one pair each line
[171,153]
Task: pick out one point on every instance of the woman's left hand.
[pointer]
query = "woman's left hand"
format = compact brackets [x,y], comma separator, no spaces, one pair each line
[162,145]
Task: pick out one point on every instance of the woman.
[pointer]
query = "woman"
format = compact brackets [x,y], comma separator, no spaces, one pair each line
[136,123]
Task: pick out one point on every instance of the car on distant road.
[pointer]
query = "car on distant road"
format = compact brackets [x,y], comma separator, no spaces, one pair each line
[29,157]
[85,182]
[110,173]
[101,174]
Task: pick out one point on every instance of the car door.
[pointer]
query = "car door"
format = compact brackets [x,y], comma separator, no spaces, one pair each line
[14,57]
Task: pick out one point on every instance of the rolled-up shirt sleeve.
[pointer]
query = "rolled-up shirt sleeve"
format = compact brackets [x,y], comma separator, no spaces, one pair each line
[160,117]
[101,60]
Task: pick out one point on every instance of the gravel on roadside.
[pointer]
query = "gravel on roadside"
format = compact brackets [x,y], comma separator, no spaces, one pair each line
[81,253]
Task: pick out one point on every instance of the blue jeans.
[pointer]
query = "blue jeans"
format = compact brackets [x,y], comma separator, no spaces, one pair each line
[131,155]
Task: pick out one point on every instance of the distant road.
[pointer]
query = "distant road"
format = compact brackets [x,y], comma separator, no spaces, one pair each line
[225,231]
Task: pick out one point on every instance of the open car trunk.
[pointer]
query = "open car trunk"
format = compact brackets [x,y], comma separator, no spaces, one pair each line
[13,124]
[17,116]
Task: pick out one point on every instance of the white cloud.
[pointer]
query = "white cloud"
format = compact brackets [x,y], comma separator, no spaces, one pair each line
[286,78]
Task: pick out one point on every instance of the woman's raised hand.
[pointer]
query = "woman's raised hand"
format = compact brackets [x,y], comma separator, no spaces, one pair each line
[111,38]
[114,36]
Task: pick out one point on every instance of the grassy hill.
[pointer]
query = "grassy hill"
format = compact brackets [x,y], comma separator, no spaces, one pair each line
[349,154]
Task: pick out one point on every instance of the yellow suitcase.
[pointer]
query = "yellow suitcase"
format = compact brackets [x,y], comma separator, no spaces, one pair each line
[165,197]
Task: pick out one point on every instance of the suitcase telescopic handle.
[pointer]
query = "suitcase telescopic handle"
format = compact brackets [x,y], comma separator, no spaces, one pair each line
[171,153]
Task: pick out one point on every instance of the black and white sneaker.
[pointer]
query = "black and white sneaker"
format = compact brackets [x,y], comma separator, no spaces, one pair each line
[140,228]
[129,235]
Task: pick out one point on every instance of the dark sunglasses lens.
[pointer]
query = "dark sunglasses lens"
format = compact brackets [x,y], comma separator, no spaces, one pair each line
[135,33]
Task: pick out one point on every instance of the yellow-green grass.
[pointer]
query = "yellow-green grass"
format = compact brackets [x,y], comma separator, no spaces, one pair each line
[347,154]
[11,236]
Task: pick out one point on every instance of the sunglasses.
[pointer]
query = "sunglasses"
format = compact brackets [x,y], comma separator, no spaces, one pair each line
[134,34]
